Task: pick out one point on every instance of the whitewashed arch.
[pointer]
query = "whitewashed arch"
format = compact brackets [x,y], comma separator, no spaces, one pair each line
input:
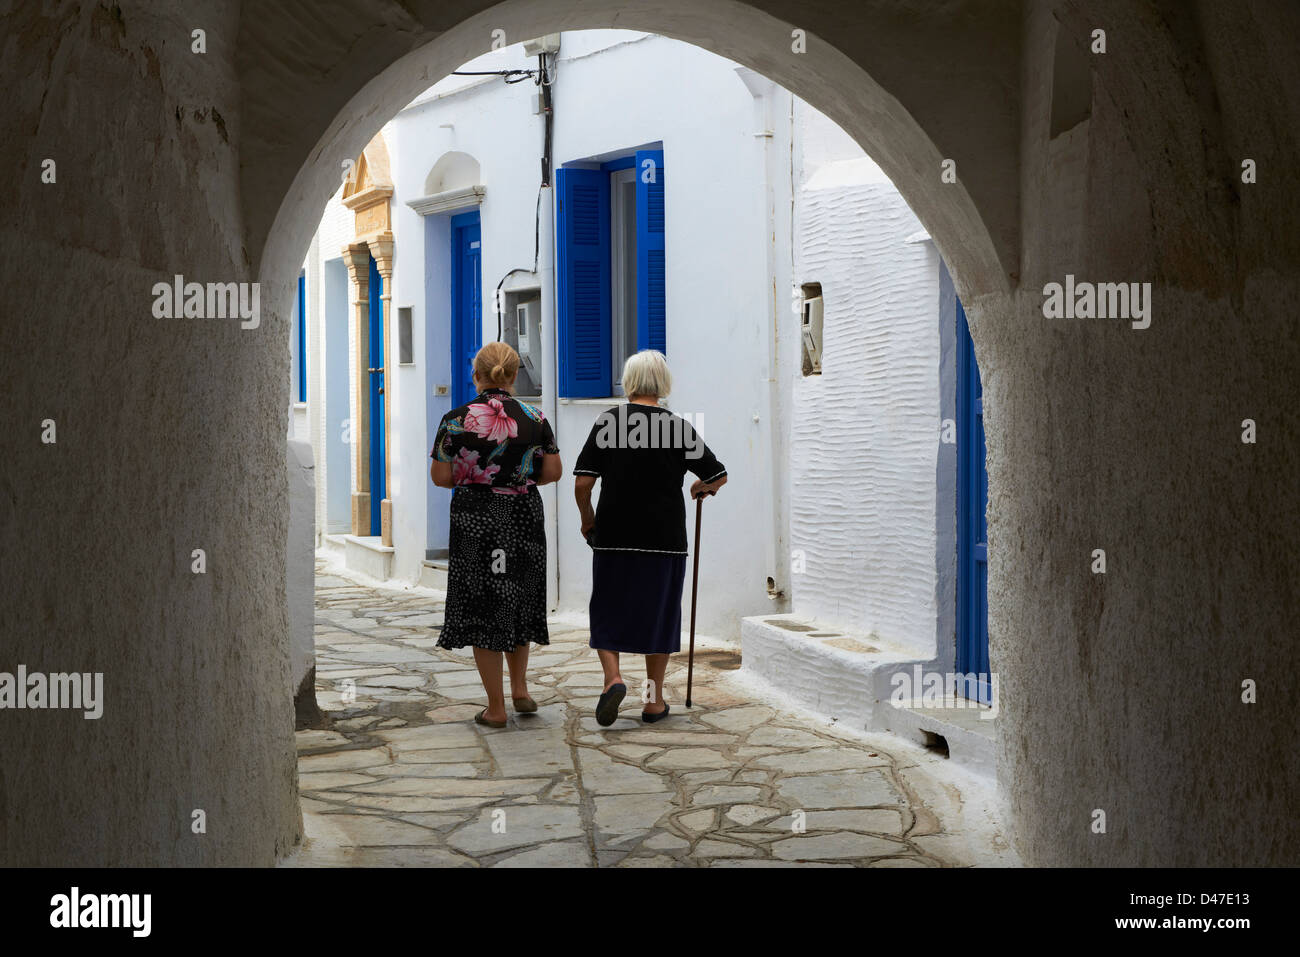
[981,262]
[454,182]
[453,170]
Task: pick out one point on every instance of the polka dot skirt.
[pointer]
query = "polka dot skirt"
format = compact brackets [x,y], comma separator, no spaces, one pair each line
[496,579]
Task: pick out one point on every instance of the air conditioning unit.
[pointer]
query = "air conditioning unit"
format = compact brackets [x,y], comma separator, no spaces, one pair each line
[811,333]
[528,326]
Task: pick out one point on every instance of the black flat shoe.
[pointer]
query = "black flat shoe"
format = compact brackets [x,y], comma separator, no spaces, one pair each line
[481,718]
[649,718]
[607,706]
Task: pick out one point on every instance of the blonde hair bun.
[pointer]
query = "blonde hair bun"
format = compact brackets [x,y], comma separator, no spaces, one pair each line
[496,364]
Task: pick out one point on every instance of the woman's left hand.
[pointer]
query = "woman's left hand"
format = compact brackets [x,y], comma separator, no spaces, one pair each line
[700,489]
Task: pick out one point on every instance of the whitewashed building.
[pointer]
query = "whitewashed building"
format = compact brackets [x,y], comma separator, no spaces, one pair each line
[694,207]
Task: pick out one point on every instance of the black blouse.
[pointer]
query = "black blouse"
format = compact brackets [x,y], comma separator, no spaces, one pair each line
[641,453]
[496,440]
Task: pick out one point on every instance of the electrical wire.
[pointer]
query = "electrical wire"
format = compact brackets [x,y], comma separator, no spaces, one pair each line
[511,76]
[497,299]
[545,79]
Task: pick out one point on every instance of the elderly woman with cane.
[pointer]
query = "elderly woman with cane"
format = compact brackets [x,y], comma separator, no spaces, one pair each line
[494,451]
[640,452]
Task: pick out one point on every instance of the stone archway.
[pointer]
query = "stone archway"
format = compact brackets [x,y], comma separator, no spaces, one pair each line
[982,265]
[1123,691]
[971,218]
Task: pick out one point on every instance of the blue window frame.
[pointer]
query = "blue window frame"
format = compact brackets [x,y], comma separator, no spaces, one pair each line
[584,279]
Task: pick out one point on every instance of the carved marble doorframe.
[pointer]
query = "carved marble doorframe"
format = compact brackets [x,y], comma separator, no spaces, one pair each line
[368,194]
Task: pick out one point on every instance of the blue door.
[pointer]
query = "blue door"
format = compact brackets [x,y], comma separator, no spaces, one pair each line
[466,304]
[302,337]
[376,373]
[972,526]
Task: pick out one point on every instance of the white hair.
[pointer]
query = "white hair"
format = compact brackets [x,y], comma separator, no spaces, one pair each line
[646,373]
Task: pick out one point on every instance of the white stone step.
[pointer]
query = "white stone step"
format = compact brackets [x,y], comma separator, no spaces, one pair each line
[369,556]
[852,679]
[965,727]
[433,574]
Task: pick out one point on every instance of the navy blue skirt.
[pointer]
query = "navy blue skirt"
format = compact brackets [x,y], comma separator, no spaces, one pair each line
[636,602]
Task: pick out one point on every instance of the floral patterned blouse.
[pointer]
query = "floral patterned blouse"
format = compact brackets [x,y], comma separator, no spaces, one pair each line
[494,440]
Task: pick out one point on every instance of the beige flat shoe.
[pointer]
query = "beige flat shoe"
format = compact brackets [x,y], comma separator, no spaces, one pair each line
[525,705]
[479,719]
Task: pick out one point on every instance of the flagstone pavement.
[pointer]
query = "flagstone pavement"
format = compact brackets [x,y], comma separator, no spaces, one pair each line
[405,778]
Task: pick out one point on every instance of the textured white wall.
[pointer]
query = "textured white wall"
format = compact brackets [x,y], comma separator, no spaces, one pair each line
[865,432]
[300,582]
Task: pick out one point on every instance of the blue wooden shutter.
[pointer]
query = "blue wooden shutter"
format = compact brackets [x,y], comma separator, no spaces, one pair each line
[582,293]
[651,309]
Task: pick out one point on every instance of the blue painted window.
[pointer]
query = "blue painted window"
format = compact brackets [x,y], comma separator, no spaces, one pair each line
[302,337]
[610,276]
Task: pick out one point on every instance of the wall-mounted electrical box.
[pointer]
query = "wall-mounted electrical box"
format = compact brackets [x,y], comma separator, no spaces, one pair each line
[405,350]
[810,328]
[539,45]
[523,331]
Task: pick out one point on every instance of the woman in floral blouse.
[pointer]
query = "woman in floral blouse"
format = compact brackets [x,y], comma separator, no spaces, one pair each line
[494,451]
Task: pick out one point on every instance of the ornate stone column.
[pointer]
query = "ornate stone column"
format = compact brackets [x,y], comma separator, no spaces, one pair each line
[368,194]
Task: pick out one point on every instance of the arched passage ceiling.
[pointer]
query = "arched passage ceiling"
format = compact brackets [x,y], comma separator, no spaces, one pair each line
[914,86]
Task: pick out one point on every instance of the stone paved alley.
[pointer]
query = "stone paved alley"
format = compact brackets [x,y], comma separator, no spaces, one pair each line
[405,777]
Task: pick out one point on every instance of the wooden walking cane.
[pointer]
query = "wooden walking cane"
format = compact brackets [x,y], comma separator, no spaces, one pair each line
[695,584]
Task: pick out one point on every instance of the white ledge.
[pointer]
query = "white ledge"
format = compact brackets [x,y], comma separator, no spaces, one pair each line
[447,200]
[374,543]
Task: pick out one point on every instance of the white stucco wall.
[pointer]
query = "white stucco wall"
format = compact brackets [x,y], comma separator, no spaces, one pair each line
[865,435]
[324,304]
[300,586]
[716,259]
